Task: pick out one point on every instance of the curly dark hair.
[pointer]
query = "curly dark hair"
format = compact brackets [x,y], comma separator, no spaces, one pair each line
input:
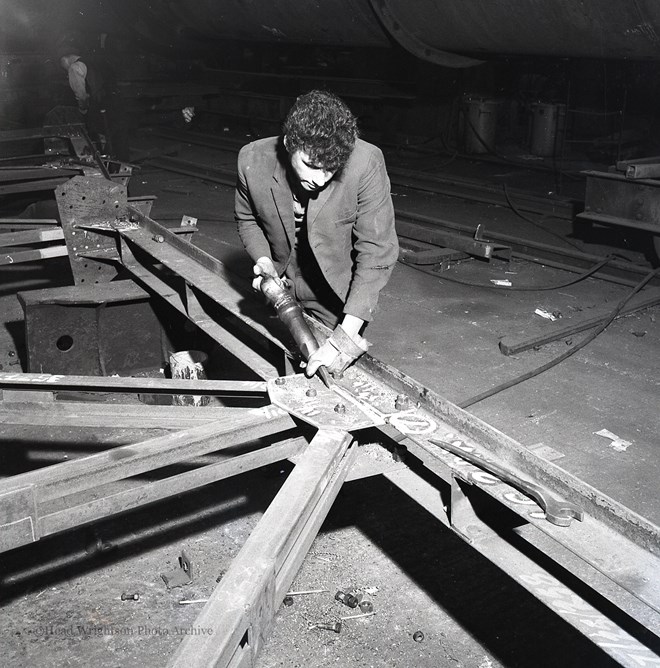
[321,125]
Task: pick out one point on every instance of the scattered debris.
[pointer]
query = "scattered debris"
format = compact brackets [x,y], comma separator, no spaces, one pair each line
[554,315]
[545,451]
[189,601]
[306,592]
[503,282]
[130,597]
[366,606]
[332,626]
[347,599]
[639,333]
[364,614]
[180,577]
[617,443]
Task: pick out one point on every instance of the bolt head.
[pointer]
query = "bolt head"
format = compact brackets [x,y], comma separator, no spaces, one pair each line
[418,636]
[280,381]
[340,408]
[311,392]
[366,606]
[402,402]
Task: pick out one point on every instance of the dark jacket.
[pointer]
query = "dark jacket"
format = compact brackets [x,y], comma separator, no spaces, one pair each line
[350,225]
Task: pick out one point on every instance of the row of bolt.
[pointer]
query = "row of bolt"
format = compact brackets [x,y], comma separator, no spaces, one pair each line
[401,403]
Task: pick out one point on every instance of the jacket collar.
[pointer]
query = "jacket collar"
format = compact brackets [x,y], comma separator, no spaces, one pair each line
[283,196]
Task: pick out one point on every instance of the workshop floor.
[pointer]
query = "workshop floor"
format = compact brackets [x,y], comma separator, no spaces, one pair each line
[61,597]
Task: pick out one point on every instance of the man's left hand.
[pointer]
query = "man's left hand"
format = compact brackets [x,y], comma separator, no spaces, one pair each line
[338,352]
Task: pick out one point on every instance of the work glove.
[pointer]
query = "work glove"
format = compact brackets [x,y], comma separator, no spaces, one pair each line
[338,352]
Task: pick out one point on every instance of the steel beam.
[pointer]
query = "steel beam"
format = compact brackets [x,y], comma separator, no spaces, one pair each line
[120,502]
[38,411]
[242,608]
[26,500]
[19,257]
[127,384]
[28,237]
[523,557]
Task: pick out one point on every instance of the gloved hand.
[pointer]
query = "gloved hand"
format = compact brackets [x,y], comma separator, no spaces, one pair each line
[338,352]
[264,267]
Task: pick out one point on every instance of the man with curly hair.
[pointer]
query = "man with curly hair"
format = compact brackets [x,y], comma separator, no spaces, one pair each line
[313,206]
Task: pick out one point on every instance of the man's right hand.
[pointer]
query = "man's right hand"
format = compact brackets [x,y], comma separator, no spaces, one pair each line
[264,267]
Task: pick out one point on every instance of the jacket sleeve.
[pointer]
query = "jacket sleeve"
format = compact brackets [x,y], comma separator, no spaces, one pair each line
[375,243]
[249,229]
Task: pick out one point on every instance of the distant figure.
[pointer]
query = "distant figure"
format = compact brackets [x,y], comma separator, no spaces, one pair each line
[94,88]
[77,72]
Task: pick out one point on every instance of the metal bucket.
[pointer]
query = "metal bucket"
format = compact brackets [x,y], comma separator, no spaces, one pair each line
[479,124]
[548,127]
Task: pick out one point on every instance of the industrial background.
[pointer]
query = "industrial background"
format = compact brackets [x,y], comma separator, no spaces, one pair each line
[480,490]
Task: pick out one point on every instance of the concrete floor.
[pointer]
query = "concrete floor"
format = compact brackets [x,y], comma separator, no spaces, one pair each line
[61,597]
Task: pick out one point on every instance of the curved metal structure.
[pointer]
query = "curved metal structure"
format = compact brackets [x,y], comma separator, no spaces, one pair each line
[590,28]
[454,33]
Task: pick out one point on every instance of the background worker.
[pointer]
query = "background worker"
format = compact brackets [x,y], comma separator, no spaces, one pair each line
[314,206]
[94,87]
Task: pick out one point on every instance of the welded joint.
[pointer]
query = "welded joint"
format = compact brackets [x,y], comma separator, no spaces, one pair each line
[18,518]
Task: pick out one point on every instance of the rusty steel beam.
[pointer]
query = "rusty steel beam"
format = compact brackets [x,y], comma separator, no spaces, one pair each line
[18,257]
[242,608]
[26,499]
[140,495]
[28,237]
[40,410]
[128,384]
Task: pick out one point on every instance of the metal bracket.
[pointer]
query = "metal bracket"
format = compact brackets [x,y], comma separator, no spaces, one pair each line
[325,408]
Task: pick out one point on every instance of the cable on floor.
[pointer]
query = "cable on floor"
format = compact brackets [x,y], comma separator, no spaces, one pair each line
[588,339]
[516,288]
[520,214]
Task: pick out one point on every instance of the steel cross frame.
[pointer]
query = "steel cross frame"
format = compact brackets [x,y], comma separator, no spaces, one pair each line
[613,550]
[44,502]
[607,529]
